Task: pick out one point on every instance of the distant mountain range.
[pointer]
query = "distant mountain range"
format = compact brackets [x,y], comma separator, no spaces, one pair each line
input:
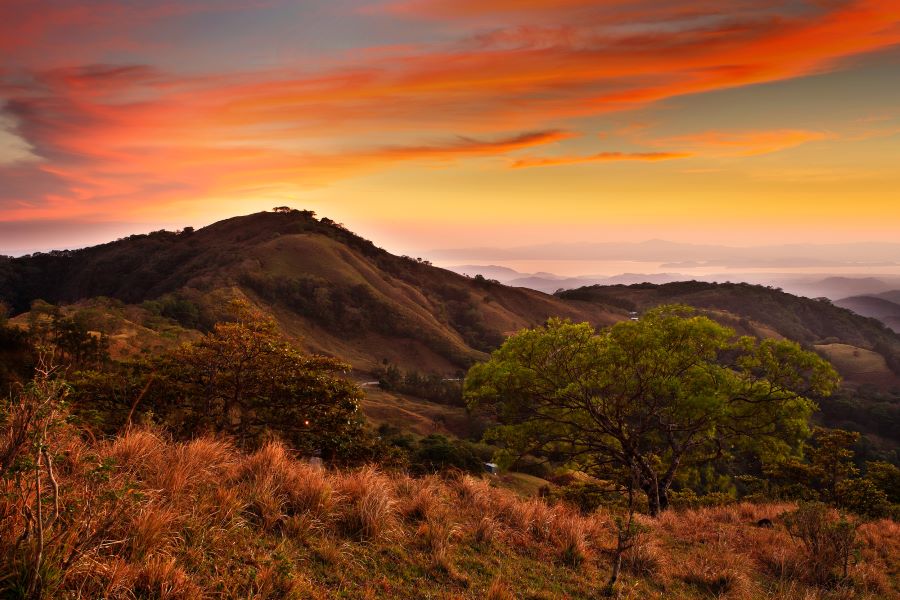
[885,307]
[678,256]
[811,285]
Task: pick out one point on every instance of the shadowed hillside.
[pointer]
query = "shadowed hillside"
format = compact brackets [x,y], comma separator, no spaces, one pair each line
[879,307]
[337,292]
[762,311]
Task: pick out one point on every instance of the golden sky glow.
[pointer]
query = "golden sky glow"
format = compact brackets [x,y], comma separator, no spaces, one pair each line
[446,123]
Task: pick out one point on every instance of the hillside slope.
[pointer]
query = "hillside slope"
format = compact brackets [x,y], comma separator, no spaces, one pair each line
[876,307]
[331,289]
[765,311]
[201,519]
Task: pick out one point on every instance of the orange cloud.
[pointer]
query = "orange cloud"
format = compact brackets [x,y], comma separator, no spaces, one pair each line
[132,135]
[599,157]
[743,143]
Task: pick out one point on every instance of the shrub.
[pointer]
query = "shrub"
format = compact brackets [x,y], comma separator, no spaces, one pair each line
[689,499]
[862,496]
[828,540]
[587,496]
[437,453]
[886,478]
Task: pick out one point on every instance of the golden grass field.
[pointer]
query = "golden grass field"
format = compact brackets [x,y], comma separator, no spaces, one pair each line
[145,517]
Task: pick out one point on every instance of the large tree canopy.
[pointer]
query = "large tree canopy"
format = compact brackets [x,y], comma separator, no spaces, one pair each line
[650,397]
[243,379]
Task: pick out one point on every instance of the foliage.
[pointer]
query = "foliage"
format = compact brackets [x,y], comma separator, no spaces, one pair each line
[872,411]
[431,386]
[431,454]
[830,542]
[862,497]
[587,496]
[16,358]
[828,473]
[242,379]
[689,499]
[70,338]
[181,309]
[886,478]
[668,392]
[437,453]
[245,380]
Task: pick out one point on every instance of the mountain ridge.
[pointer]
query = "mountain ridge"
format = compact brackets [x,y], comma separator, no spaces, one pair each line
[333,290]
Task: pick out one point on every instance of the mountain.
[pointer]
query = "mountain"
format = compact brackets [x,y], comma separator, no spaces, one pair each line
[892,295]
[837,287]
[877,307]
[336,292]
[550,282]
[501,274]
[679,255]
[340,294]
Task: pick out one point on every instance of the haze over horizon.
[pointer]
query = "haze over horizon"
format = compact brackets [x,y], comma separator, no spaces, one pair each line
[427,124]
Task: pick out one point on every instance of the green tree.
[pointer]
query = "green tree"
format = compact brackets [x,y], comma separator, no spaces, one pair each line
[826,463]
[651,397]
[886,478]
[73,343]
[246,380]
[831,458]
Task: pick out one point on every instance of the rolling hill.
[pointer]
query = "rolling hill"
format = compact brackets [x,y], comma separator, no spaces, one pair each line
[340,294]
[766,311]
[334,291]
[880,307]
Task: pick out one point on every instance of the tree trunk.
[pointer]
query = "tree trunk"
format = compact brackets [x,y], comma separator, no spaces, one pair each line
[650,488]
[657,497]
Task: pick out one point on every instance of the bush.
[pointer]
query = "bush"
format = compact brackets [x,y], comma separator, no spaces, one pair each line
[886,478]
[862,496]
[438,453]
[587,496]
[828,540]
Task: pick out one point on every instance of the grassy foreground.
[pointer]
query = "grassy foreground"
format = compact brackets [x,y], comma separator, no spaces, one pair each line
[140,516]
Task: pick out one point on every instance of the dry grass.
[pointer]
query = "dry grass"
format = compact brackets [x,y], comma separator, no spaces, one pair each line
[150,518]
[438,533]
[570,537]
[499,591]
[162,578]
[368,503]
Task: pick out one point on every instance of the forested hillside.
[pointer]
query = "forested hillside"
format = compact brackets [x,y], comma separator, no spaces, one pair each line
[335,291]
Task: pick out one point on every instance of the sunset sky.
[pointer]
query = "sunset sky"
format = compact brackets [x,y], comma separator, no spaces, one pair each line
[435,124]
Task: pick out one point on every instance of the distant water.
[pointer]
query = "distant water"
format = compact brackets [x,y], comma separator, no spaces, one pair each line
[609,268]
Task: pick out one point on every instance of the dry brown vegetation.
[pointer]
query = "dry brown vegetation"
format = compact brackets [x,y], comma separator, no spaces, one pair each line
[142,516]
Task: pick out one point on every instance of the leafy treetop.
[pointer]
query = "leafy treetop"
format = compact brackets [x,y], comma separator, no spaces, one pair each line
[671,391]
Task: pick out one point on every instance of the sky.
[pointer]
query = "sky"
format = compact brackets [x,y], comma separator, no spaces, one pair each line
[442,124]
